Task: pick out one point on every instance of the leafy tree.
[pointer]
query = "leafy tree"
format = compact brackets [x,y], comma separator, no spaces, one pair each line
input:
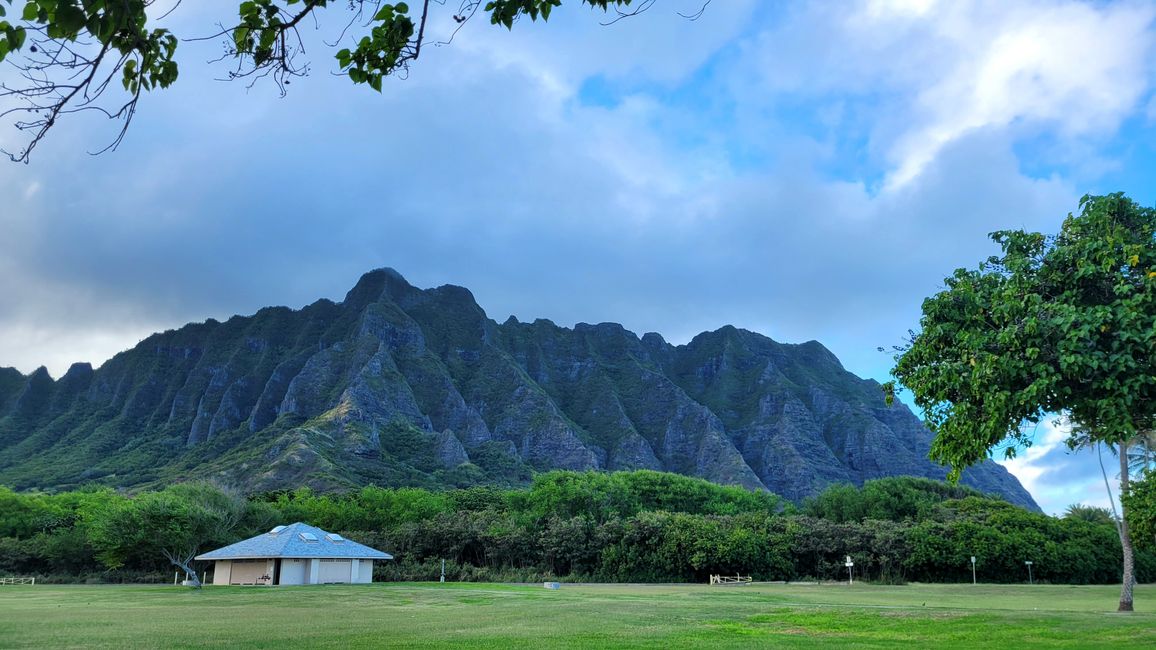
[73,52]
[1055,324]
[894,498]
[1141,507]
[489,534]
[175,523]
[1090,514]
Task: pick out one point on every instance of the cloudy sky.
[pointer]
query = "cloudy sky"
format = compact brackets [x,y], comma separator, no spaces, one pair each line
[804,170]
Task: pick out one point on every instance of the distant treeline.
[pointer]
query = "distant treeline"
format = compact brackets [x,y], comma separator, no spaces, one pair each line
[622,527]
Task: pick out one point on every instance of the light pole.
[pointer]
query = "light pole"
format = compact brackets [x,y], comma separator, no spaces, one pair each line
[973,569]
[850,576]
[1029,563]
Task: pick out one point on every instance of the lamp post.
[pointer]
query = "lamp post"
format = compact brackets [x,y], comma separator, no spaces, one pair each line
[973,569]
[1029,563]
[850,575]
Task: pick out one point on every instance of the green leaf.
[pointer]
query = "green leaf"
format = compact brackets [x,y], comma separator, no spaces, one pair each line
[385,14]
[241,39]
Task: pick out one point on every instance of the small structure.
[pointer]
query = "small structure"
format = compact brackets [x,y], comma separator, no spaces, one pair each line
[17,581]
[297,554]
[730,580]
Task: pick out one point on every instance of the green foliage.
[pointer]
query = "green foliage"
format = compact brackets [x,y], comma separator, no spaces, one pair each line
[895,498]
[630,527]
[1063,323]
[175,523]
[120,28]
[599,495]
[1056,324]
[1090,514]
[1140,505]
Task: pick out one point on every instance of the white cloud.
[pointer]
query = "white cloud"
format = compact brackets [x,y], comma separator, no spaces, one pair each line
[918,76]
[880,8]
[1082,69]
[58,347]
[1058,477]
[485,169]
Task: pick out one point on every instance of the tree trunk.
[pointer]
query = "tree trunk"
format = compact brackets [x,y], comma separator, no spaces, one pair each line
[1108,486]
[182,562]
[1125,537]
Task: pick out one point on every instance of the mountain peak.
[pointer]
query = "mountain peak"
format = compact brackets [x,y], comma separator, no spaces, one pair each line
[377,284]
[406,386]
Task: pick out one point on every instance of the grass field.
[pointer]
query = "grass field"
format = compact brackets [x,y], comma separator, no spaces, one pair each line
[508,616]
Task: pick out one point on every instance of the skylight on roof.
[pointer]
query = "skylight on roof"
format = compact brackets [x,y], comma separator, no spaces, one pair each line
[276,529]
[334,537]
[309,537]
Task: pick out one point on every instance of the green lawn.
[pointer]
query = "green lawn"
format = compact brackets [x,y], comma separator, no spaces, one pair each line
[505,616]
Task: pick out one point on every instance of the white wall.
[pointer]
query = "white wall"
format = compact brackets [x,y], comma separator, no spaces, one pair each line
[365,572]
[335,571]
[293,572]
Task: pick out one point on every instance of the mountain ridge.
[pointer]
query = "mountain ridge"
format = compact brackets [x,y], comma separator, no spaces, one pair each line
[397,385]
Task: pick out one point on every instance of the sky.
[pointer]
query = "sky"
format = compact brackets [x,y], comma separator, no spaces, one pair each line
[802,170]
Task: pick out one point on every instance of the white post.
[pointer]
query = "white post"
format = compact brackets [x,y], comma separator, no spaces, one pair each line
[1029,563]
[973,569]
[850,575]
[443,571]
[175,574]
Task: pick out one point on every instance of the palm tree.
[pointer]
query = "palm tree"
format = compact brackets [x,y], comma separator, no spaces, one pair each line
[1140,456]
[1127,451]
[1090,514]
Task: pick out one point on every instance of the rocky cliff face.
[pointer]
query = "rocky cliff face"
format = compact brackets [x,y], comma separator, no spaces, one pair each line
[401,386]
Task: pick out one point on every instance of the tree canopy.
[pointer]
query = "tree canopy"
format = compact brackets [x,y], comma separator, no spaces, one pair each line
[1056,324]
[74,56]
[1140,503]
[176,523]
[637,526]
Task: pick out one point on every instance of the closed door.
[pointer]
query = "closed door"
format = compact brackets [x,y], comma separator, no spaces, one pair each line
[334,571]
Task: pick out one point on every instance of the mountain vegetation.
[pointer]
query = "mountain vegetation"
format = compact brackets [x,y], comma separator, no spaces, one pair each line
[398,386]
[640,526]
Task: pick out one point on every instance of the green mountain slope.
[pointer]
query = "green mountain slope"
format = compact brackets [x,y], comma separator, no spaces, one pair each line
[401,386]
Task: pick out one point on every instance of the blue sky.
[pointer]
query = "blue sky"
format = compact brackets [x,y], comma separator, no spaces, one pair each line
[804,170]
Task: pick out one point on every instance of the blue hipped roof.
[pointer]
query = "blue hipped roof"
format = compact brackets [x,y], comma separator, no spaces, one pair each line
[295,541]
